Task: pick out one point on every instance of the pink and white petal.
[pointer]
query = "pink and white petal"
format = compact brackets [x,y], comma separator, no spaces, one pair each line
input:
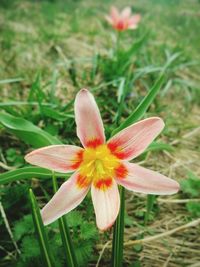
[133,140]
[133,26]
[126,12]
[114,13]
[88,119]
[68,197]
[60,158]
[142,180]
[106,205]
[134,20]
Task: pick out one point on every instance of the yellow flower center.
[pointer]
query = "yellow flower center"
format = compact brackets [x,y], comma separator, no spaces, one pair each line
[98,166]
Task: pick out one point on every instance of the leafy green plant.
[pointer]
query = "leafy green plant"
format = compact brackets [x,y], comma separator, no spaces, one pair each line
[191,187]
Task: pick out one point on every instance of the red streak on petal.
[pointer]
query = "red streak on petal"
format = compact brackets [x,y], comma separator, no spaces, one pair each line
[94,143]
[117,151]
[78,160]
[121,171]
[82,181]
[103,184]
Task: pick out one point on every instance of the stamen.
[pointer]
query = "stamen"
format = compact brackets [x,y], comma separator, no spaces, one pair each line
[98,164]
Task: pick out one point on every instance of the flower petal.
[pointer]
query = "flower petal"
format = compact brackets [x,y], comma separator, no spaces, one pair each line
[133,140]
[114,13]
[139,179]
[133,21]
[68,197]
[126,12]
[61,158]
[88,119]
[106,205]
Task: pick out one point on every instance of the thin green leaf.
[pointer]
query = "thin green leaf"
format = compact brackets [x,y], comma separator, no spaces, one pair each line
[12,80]
[53,86]
[120,99]
[150,202]
[56,115]
[143,106]
[28,173]
[40,231]
[137,45]
[65,235]
[159,146]
[27,132]
[118,234]
[120,91]
[127,56]
[23,103]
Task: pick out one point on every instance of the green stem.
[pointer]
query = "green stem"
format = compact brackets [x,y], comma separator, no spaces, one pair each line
[65,235]
[117,49]
[149,207]
[118,234]
[46,254]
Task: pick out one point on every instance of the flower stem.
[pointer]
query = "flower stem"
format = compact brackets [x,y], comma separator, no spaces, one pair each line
[118,233]
[46,254]
[149,206]
[65,235]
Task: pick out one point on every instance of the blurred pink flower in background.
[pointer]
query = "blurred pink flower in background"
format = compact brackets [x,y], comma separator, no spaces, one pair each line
[123,20]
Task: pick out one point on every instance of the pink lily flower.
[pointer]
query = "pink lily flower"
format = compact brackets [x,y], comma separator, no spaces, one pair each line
[124,20]
[100,165]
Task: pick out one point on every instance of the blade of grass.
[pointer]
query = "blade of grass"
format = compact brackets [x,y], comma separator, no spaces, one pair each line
[149,206]
[41,233]
[27,131]
[28,173]
[120,99]
[65,235]
[12,80]
[143,106]
[24,103]
[53,86]
[118,234]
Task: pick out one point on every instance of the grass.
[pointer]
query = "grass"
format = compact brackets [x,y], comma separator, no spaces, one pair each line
[51,49]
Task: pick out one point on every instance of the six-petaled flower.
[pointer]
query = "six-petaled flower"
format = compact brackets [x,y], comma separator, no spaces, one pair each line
[100,165]
[124,20]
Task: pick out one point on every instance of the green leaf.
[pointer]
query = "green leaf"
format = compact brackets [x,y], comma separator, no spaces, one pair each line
[12,80]
[120,92]
[27,132]
[143,106]
[56,115]
[84,252]
[149,206]
[28,173]
[30,248]
[138,247]
[41,233]
[127,56]
[74,218]
[194,208]
[157,146]
[23,103]
[118,234]
[23,227]
[88,231]
[191,185]
[65,236]
[136,46]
